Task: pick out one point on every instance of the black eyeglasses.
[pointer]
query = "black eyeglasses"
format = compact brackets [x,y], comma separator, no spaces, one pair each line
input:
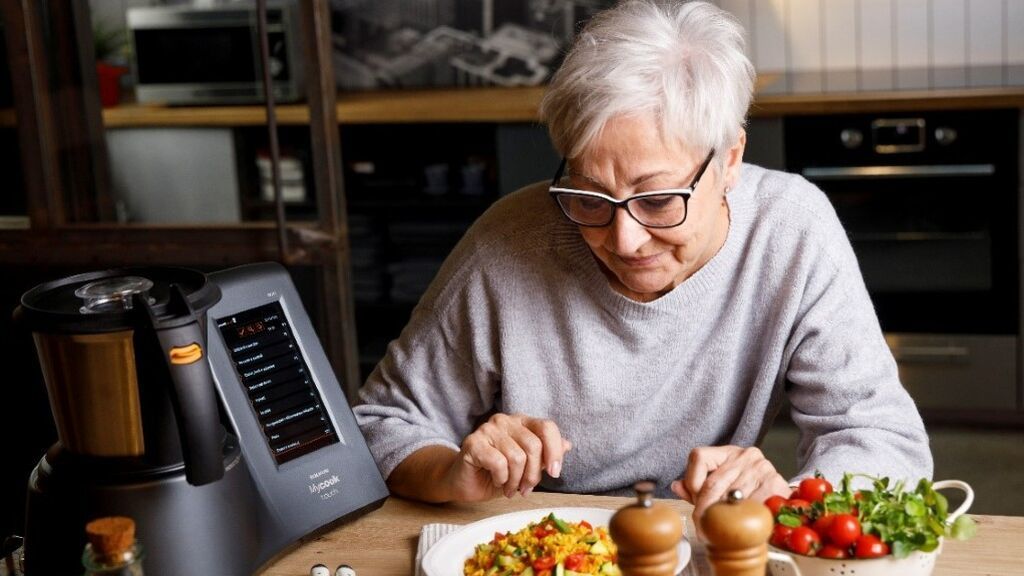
[654,209]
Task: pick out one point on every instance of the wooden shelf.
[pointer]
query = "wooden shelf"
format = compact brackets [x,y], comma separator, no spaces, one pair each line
[887,101]
[520,105]
[213,245]
[385,107]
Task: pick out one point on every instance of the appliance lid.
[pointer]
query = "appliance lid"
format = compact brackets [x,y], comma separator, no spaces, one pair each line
[104,301]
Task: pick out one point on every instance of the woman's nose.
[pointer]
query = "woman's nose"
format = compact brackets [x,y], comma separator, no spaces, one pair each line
[625,234]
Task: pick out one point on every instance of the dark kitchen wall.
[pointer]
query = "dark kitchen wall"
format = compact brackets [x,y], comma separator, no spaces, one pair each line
[25,420]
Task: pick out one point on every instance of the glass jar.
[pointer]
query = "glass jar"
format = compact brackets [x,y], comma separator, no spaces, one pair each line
[128,563]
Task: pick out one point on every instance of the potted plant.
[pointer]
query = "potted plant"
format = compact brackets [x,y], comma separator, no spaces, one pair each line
[109,45]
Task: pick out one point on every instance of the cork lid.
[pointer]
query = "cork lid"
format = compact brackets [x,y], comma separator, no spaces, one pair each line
[111,536]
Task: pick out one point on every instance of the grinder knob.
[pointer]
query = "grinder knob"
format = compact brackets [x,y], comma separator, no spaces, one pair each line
[647,535]
[737,531]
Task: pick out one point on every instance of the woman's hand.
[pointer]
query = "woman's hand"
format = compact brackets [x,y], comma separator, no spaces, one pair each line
[506,455]
[713,471]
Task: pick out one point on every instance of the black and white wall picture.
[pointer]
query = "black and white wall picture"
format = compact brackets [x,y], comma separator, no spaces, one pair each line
[447,43]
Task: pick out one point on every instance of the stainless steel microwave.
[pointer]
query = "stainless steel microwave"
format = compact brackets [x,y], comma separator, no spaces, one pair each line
[211,55]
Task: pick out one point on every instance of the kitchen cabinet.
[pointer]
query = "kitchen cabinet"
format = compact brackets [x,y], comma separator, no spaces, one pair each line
[412,189]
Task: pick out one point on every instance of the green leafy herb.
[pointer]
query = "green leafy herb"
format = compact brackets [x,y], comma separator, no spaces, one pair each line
[963,528]
[790,520]
[906,520]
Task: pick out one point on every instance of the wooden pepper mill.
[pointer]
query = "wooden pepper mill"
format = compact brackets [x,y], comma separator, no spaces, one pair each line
[737,532]
[647,535]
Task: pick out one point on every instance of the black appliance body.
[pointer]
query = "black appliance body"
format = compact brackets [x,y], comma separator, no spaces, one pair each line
[203,407]
[210,55]
[930,201]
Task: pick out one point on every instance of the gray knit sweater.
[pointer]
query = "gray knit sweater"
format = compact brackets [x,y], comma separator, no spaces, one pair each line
[520,319]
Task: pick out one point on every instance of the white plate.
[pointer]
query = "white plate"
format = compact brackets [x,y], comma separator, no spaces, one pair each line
[449,554]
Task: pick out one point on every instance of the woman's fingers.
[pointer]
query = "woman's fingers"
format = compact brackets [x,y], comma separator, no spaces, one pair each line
[479,452]
[771,483]
[553,445]
[679,489]
[715,471]
[702,462]
[716,486]
[515,450]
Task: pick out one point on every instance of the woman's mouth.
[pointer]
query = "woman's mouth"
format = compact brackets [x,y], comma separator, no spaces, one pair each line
[639,262]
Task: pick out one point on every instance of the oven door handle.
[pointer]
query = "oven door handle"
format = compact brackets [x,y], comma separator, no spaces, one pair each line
[876,172]
[931,354]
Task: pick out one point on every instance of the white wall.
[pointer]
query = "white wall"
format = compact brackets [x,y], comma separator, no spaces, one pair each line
[174,175]
[924,43]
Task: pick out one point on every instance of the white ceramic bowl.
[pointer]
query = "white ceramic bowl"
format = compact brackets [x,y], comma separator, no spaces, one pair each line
[782,563]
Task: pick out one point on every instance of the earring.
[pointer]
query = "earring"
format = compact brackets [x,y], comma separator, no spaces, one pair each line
[727,189]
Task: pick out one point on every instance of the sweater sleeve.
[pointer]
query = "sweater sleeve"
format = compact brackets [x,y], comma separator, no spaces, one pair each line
[846,397]
[423,393]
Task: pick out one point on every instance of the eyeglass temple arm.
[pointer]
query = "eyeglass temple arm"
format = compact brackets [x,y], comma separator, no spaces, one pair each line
[703,167]
[559,172]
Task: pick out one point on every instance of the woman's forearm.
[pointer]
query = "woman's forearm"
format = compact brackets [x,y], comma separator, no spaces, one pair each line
[422,476]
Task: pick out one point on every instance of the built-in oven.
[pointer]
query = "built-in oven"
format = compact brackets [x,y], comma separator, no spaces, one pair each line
[930,204]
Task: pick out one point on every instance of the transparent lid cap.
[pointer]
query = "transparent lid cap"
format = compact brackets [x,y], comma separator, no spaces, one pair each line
[113,294]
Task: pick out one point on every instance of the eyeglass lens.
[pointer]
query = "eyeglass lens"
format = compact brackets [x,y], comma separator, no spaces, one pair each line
[655,210]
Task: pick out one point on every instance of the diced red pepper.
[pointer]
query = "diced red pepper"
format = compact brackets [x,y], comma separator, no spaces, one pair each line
[545,563]
[586,525]
[574,561]
[498,537]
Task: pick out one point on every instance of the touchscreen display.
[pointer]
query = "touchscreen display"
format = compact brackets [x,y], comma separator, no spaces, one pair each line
[277,382]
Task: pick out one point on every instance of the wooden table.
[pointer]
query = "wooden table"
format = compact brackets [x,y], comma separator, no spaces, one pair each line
[384,541]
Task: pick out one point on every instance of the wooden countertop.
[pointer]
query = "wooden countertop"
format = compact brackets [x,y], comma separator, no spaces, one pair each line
[384,541]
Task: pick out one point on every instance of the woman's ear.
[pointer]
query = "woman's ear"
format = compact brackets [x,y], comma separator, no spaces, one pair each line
[734,159]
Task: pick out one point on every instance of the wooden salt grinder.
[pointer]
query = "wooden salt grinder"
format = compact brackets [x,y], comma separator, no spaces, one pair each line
[647,535]
[737,532]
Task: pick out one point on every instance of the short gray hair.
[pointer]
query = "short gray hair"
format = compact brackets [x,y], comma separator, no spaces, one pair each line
[681,62]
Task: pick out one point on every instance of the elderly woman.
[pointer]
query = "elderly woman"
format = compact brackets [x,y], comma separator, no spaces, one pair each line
[645,315]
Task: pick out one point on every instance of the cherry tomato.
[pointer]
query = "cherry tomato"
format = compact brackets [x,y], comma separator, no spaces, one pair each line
[804,540]
[794,494]
[801,507]
[780,536]
[774,503]
[799,504]
[844,530]
[814,489]
[574,561]
[544,563]
[830,551]
[869,546]
[822,524]
[540,532]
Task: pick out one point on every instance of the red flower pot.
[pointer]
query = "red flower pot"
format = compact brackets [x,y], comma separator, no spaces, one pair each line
[109,79]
